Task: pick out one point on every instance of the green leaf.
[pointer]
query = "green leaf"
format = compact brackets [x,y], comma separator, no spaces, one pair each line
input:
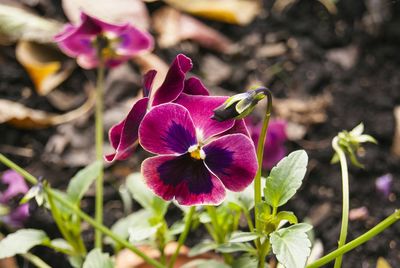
[21,242]
[285,178]
[81,182]
[203,263]
[121,227]
[142,232]
[61,244]
[291,245]
[202,247]
[245,198]
[245,262]
[97,259]
[144,196]
[239,237]
[235,247]
[287,215]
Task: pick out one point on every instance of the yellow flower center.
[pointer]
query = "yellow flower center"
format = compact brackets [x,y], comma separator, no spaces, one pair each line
[196,152]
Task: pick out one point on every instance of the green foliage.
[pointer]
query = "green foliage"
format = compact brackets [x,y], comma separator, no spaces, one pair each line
[144,196]
[203,263]
[97,259]
[21,242]
[122,226]
[235,247]
[285,178]
[81,182]
[202,247]
[238,237]
[291,245]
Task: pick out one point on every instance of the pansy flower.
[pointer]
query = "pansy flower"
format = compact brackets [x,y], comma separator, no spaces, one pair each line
[117,43]
[196,157]
[16,187]
[275,141]
[124,135]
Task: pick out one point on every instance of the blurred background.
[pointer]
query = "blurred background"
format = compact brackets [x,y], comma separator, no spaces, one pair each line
[330,64]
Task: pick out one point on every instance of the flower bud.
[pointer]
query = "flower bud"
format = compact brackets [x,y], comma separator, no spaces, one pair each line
[239,106]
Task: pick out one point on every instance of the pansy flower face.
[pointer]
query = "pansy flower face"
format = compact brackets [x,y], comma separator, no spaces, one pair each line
[16,186]
[124,135]
[117,43]
[196,159]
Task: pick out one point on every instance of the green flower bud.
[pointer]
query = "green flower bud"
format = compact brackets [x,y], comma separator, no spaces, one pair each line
[240,105]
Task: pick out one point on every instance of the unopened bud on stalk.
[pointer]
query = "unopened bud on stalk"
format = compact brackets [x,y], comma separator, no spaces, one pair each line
[240,105]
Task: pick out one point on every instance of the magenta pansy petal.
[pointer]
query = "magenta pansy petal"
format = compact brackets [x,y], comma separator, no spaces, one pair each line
[194,86]
[272,155]
[174,81]
[118,42]
[167,129]
[133,41]
[183,178]
[16,185]
[74,43]
[124,135]
[238,127]
[201,109]
[148,80]
[232,158]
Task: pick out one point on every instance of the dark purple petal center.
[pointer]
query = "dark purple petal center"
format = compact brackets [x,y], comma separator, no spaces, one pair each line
[178,138]
[218,159]
[185,169]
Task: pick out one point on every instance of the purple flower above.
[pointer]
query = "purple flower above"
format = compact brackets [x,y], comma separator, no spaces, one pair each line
[194,162]
[124,135]
[384,184]
[275,145]
[16,186]
[118,43]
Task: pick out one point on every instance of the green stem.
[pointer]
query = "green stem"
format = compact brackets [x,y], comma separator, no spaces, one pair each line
[59,198]
[99,151]
[212,212]
[63,230]
[260,156]
[35,260]
[345,209]
[183,236]
[249,220]
[386,223]
[263,251]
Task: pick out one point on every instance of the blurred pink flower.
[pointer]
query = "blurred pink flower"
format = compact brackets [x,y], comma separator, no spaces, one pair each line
[276,136]
[384,184]
[118,43]
[16,186]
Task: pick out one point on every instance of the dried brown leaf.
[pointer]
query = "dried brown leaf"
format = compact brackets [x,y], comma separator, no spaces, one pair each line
[174,27]
[382,263]
[396,138]
[46,66]
[122,11]
[240,12]
[305,112]
[19,23]
[23,117]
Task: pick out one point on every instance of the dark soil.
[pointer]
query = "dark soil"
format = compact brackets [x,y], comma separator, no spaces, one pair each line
[366,91]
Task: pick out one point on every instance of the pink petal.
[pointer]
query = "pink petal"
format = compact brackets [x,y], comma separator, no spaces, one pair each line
[183,178]
[201,109]
[194,86]
[232,158]
[173,84]
[148,80]
[124,135]
[16,185]
[167,129]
